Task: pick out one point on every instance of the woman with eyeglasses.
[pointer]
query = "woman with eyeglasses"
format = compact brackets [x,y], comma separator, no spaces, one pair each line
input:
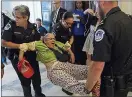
[64,74]
[62,30]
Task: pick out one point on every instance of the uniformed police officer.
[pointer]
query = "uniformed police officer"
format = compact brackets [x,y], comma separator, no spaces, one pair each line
[112,53]
[22,31]
[62,29]
[4,20]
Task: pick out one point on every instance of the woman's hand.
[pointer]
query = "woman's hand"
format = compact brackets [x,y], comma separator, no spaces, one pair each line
[23,47]
[96,89]
[67,46]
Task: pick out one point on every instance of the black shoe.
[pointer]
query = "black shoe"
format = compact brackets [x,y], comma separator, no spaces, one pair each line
[27,91]
[40,95]
[67,92]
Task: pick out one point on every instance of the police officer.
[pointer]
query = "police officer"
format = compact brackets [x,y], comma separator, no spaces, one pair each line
[62,29]
[4,20]
[112,55]
[15,33]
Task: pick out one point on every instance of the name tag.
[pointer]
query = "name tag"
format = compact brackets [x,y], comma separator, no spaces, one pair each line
[78,25]
[17,32]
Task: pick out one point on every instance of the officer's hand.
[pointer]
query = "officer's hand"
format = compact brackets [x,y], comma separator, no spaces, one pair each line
[72,58]
[96,89]
[2,73]
[23,47]
[21,55]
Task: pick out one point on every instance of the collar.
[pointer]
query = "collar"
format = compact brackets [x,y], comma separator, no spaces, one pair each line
[29,26]
[113,10]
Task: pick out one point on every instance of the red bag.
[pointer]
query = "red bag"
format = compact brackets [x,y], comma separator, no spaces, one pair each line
[25,68]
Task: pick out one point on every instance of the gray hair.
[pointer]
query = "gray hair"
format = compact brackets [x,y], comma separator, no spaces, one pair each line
[46,35]
[23,9]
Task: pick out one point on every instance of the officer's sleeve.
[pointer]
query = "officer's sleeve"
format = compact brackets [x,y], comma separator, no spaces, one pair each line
[7,33]
[102,46]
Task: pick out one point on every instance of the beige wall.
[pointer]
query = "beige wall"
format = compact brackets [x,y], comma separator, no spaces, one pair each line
[126,6]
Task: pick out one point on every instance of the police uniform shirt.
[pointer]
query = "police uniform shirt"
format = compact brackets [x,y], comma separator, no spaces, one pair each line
[62,34]
[20,35]
[113,41]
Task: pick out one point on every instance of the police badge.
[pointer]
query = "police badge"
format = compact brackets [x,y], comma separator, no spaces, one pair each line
[7,27]
[99,34]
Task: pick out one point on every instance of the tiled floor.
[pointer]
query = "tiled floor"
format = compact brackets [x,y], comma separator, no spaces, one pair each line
[11,85]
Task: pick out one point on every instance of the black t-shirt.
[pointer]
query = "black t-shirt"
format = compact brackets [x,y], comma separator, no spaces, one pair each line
[20,35]
[113,42]
[62,34]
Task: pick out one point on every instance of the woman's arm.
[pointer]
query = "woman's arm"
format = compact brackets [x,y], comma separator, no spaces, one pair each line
[71,40]
[21,55]
[31,47]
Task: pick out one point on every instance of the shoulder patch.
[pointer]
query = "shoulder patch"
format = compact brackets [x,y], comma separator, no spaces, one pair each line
[7,27]
[99,34]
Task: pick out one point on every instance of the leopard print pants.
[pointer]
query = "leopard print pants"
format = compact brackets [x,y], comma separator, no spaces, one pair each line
[67,75]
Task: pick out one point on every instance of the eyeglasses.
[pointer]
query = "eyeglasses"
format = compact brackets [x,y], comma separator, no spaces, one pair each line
[50,38]
[67,24]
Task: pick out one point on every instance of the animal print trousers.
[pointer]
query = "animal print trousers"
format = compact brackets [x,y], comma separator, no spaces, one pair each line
[67,75]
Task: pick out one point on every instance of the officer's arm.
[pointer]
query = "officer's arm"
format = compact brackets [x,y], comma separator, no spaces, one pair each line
[102,53]
[7,36]
[94,73]
[9,44]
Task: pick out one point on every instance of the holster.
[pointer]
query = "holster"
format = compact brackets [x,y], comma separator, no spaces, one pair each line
[109,86]
[129,82]
[118,83]
[121,82]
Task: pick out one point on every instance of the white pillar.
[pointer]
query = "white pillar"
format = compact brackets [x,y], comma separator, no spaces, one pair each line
[126,6]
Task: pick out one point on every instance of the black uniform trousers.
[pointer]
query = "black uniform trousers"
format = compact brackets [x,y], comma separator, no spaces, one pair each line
[36,79]
[117,93]
[80,56]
